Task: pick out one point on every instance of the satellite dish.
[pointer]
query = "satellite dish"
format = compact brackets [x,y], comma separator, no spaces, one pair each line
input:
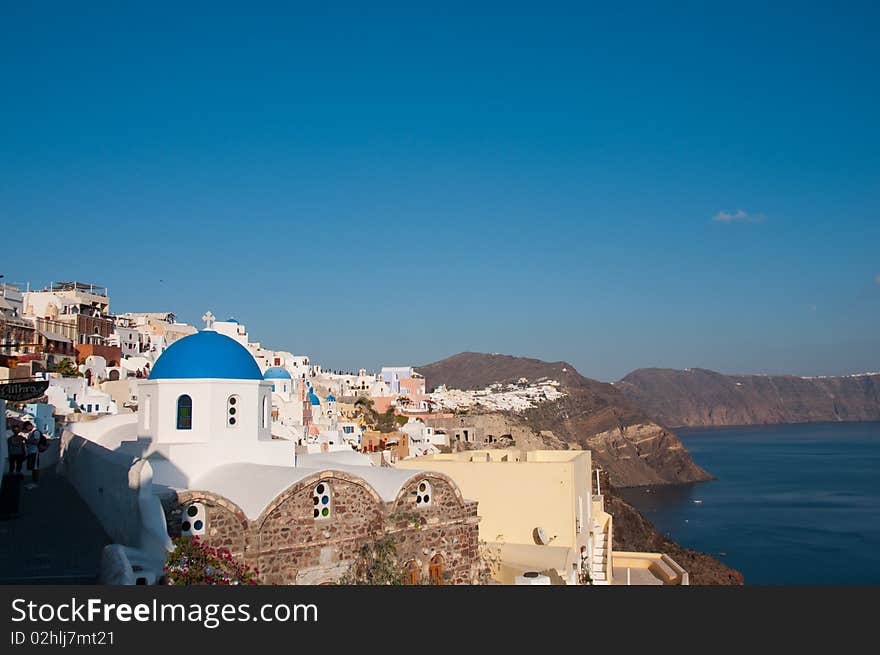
[540,536]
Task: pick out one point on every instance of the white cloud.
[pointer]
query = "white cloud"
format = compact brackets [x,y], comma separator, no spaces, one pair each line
[738,215]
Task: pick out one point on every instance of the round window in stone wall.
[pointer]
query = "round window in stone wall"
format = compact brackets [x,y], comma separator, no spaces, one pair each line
[193,520]
[321,501]
[424,495]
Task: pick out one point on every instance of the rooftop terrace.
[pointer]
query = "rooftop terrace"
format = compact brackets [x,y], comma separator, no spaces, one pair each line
[78,286]
[506,455]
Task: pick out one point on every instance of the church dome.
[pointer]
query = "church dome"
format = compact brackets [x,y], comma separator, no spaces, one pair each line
[206,354]
[313,398]
[331,398]
[276,373]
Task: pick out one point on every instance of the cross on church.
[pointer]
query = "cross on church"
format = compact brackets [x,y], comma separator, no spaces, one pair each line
[208,318]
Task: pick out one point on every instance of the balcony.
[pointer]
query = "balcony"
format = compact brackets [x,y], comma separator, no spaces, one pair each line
[647,569]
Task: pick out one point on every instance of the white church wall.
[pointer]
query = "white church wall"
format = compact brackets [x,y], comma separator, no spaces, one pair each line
[193,460]
[210,409]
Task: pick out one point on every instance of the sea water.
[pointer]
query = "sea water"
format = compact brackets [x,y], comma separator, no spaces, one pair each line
[792,504]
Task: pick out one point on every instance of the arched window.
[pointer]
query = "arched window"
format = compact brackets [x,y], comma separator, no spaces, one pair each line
[435,569]
[411,573]
[265,411]
[184,413]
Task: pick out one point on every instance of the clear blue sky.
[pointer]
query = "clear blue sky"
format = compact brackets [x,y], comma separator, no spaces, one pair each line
[616,187]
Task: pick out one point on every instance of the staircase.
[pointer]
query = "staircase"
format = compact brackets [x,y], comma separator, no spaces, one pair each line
[600,566]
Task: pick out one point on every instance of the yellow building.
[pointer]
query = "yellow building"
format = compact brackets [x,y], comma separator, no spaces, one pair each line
[542,519]
[538,512]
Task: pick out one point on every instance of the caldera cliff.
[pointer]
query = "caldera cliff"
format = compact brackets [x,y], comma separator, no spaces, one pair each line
[699,397]
[625,440]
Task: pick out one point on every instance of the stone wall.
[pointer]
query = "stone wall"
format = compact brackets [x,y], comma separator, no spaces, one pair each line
[447,527]
[227,525]
[288,545]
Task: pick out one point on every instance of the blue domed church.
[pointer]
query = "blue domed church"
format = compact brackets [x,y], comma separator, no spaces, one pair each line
[208,388]
[198,459]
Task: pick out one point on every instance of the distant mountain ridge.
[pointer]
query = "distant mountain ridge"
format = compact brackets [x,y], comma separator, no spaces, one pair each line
[624,439]
[700,397]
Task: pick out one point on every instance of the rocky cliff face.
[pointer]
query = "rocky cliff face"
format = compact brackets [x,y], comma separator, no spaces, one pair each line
[698,397]
[625,441]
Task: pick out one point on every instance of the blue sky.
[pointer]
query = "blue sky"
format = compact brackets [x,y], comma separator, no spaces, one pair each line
[617,187]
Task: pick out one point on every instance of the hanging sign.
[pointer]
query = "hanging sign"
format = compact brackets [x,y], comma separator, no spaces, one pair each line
[19,391]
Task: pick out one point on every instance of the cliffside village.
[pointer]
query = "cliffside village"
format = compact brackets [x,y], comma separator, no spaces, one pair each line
[167,430]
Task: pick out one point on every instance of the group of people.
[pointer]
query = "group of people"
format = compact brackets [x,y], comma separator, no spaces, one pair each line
[25,446]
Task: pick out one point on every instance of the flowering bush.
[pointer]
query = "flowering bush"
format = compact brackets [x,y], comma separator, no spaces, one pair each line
[195,563]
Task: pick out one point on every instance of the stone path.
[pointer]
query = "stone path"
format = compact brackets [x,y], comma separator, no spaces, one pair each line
[56,540]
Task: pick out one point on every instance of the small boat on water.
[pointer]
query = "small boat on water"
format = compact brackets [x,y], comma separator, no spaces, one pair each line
[698,502]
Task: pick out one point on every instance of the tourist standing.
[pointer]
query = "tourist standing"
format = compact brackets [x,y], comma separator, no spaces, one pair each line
[17,451]
[32,436]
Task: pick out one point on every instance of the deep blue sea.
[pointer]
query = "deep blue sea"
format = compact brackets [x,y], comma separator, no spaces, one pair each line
[793,504]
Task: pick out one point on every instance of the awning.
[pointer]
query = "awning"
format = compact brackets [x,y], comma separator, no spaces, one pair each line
[55,336]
